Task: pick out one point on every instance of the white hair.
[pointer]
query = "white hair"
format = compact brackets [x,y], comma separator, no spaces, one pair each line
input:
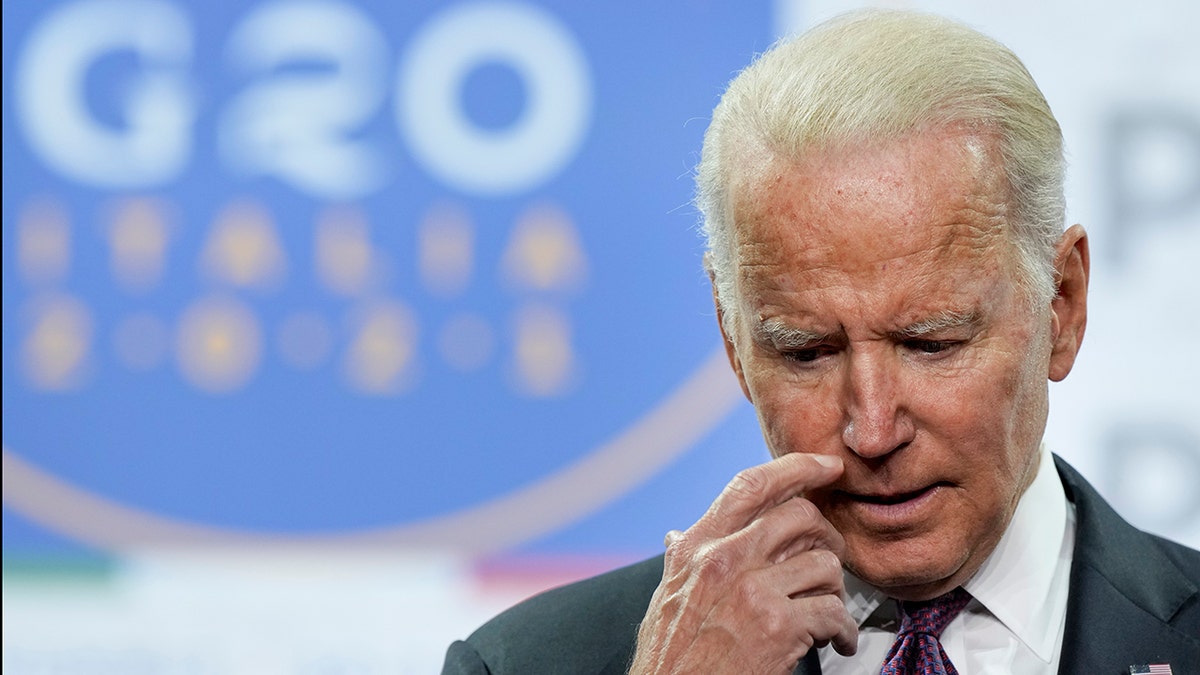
[875,75]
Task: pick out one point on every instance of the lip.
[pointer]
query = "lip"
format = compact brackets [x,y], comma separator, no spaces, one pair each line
[891,510]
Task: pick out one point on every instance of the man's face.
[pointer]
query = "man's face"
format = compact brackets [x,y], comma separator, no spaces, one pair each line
[879,318]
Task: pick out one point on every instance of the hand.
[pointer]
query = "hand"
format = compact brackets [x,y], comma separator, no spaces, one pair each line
[755,583]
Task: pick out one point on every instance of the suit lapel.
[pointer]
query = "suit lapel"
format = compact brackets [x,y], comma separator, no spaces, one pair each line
[1124,593]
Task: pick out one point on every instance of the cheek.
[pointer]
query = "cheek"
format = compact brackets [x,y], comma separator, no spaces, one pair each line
[796,418]
[983,398]
[991,420]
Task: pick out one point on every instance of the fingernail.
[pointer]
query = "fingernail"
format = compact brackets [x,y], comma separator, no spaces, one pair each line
[828,461]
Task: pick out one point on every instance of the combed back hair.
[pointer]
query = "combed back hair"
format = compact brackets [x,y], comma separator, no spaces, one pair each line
[871,76]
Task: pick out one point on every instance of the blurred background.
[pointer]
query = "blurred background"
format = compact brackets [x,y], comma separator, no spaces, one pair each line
[332,328]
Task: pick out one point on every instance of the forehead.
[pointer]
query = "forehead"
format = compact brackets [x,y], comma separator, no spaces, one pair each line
[935,199]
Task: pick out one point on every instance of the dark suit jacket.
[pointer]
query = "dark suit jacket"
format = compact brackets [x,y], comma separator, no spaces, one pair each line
[1134,599]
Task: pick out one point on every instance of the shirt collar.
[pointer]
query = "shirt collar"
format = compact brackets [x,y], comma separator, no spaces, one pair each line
[1015,581]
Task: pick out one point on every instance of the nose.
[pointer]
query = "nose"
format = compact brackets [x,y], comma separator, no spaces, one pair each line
[876,418]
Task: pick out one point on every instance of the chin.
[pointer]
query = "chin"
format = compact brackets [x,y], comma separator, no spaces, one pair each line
[906,569]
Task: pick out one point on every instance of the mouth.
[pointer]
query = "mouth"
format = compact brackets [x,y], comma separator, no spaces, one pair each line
[888,509]
[890,499]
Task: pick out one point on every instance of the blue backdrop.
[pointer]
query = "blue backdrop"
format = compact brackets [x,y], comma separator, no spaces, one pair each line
[421,272]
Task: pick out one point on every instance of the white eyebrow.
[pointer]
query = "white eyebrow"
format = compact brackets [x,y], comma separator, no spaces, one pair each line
[782,335]
[946,320]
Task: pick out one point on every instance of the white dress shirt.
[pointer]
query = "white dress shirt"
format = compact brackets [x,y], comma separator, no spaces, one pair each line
[1015,622]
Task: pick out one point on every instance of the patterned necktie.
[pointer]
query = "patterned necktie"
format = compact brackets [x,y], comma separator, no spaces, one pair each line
[917,650]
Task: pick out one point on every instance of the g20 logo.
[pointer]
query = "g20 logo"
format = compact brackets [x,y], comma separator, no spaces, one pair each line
[301,126]
[272,281]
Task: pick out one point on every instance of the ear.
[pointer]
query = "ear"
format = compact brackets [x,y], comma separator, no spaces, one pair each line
[1068,310]
[735,361]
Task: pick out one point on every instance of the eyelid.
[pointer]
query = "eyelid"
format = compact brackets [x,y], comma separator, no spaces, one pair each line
[808,354]
[943,346]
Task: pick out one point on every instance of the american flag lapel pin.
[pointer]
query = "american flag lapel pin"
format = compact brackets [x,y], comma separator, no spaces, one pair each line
[1151,669]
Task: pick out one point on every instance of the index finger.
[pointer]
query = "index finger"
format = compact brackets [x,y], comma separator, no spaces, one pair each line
[758,488]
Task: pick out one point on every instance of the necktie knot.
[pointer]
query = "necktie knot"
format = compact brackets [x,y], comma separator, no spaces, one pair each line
[932,616]
[917,650]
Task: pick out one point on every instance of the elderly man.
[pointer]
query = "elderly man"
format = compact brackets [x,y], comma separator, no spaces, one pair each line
[884,207]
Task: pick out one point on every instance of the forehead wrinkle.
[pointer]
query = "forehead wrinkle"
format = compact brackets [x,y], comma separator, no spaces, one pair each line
[979,222]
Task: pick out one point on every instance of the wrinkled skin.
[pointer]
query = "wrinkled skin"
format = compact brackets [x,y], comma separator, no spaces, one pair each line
[878,323]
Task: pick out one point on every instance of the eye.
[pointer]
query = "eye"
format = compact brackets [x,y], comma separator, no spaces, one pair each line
[802,356]
[808,354]
[930,346]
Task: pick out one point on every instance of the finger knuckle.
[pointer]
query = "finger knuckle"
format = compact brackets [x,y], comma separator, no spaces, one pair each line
[828,609]
[712,563]
[750,483]
[805,511]
[828,566]
[747,592]
[678,549]
[806,641]
[775,623]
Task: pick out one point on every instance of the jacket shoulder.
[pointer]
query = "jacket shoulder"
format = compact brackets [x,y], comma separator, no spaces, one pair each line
[1134,597]
[1187,560]
[587,627]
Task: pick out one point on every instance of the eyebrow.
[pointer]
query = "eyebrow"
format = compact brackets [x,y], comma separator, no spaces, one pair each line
[782,335]
[945,320]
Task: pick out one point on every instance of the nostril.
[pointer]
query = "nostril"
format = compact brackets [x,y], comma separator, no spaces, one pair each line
[876,442]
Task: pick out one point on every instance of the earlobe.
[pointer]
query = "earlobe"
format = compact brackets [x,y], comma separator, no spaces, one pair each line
[1072,265]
